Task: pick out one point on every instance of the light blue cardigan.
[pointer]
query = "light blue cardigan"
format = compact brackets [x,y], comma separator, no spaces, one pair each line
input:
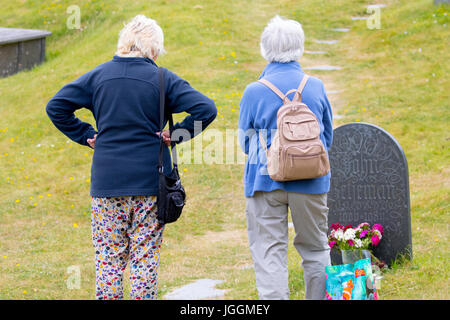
[258,110]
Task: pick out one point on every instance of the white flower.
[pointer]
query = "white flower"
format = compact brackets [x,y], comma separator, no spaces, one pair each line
[339,234]
[358,243]
[349,234]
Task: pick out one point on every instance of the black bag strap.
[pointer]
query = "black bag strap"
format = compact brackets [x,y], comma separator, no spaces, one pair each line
[161,124]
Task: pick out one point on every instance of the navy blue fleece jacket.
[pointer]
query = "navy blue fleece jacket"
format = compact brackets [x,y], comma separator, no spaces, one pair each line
[123,95]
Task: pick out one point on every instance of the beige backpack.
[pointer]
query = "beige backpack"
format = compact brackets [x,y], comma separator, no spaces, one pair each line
[296,152]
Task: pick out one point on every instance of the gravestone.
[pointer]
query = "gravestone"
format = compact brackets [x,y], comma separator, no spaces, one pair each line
[441,1]
[21,49]
[370,183]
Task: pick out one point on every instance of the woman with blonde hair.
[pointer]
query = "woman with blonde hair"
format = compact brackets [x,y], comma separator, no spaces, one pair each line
[123,94]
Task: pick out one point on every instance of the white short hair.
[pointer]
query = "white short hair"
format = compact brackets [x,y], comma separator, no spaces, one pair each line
[282,40]
[141,37]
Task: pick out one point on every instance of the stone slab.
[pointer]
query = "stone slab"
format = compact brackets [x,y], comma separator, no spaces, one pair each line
[13,35]
[21,49]
[200,289]
[323,68]
[326,41]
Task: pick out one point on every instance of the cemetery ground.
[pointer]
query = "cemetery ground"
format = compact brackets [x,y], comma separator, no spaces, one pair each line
[395,77]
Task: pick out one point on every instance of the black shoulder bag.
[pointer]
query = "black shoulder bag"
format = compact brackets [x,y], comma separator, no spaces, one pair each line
[171,197]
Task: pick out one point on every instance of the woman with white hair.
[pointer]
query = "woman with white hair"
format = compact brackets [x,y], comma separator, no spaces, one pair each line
[268,201]
[123,95]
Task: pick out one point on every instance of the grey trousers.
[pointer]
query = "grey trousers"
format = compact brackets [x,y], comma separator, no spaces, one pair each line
[267,225]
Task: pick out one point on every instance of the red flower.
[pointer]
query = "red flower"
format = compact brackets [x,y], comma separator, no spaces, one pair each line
[336,226]
[348,227]
[350,243]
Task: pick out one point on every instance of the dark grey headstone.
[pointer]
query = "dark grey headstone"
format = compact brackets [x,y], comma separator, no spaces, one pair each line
[21,49]
[370,183]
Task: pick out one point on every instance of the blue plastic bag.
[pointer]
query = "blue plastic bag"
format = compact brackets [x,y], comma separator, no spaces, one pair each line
[351,281]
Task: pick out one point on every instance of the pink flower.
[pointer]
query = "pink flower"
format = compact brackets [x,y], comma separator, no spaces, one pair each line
[363,234]
[350,243]
[375,240]
[332,244]
[378,227]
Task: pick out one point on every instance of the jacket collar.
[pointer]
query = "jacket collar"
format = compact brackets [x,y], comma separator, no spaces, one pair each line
[277,67]
[130,59]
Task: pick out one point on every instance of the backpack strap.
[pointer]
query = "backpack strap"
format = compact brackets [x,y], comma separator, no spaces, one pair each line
[298,94]
[273,88]
[303,83]
[262,142]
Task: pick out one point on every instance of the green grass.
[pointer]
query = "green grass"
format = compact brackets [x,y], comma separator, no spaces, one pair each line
[386,80]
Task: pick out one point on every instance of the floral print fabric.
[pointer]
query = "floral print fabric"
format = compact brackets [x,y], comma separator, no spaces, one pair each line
[125,230]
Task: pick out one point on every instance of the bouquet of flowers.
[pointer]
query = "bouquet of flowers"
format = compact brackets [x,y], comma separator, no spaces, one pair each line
[349,238]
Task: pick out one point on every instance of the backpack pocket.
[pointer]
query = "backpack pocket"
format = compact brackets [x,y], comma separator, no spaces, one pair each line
[300,127]
[306,162]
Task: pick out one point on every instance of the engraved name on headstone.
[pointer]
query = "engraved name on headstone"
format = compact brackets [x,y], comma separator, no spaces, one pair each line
[370,183]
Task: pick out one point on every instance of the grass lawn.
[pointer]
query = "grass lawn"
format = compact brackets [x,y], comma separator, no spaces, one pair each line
[395,77]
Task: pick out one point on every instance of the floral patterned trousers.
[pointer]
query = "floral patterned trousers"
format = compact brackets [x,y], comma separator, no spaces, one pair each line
[125,230]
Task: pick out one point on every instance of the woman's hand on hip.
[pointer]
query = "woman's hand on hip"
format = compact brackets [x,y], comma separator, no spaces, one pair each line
[91,142]
[165,136]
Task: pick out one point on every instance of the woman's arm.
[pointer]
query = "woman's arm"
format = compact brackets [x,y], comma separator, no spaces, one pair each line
[246,127]
[181,97]
[327,120]
[62,106]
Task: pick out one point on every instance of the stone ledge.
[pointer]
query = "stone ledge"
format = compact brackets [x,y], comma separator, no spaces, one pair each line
[12,35]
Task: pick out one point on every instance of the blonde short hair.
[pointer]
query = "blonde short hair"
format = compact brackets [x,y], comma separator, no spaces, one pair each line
[282,40]
[141,37]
